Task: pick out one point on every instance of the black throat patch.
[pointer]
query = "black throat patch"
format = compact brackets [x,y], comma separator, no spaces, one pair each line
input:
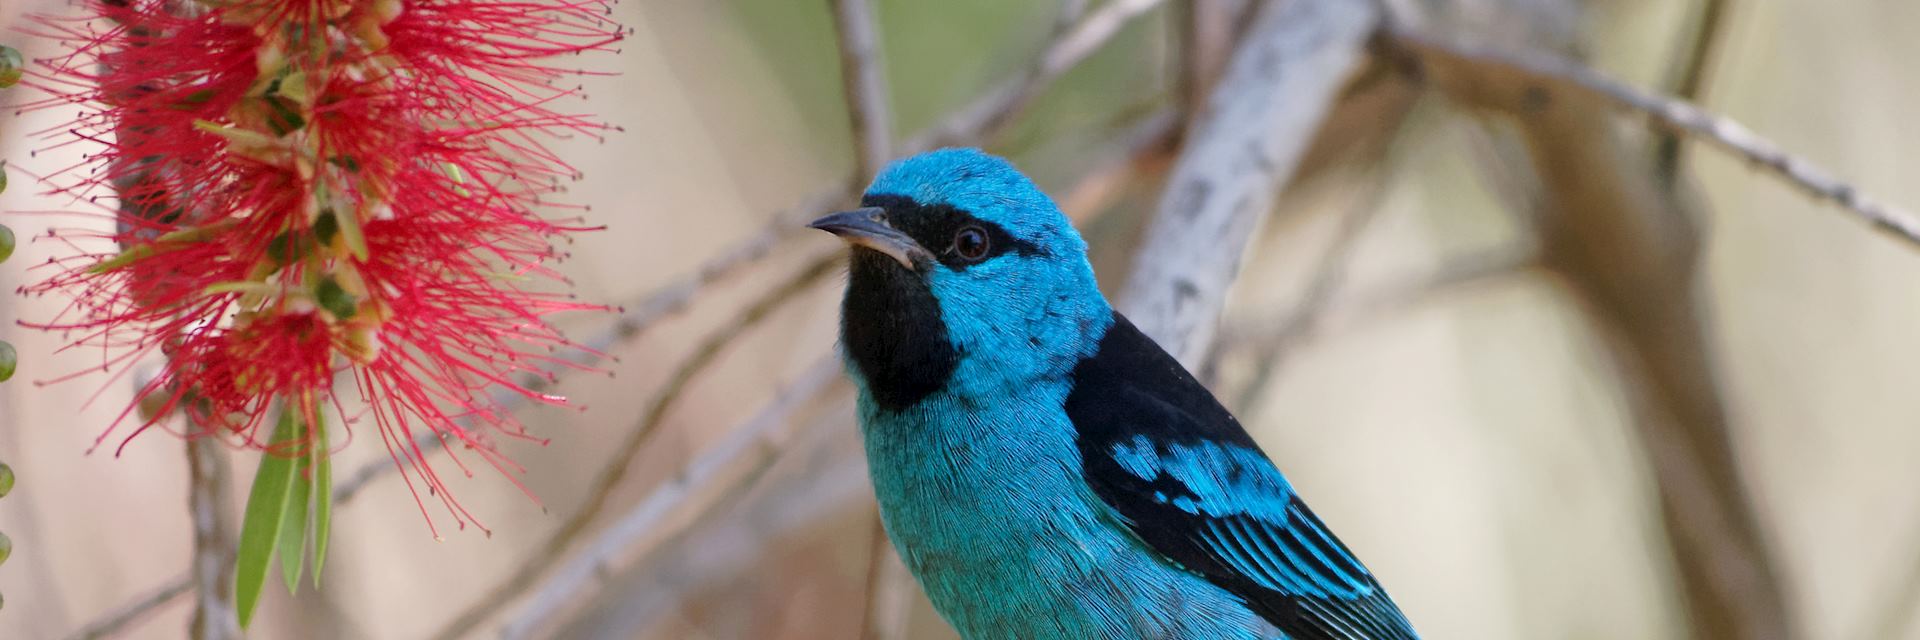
[890,323]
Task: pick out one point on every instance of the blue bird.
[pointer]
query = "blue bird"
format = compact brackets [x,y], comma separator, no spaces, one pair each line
[1045,470]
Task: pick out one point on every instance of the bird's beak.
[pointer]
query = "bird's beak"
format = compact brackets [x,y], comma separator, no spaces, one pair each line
[867,227]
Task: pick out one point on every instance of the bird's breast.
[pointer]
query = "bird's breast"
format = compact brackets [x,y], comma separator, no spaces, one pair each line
[987,507]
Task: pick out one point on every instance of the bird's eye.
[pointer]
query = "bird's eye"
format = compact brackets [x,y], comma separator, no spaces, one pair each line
[970,243]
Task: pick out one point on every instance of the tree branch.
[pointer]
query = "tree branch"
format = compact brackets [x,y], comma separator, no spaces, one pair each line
[1627,249]
[1534,75]
[616,468]
[1690,77]
[113,622]
[865,81]
[756,442]
[1277,89]
[988,115]
[208,494]
[824,480]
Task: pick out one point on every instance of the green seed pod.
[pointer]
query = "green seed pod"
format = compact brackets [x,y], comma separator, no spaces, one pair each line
[6,479]
[3,176]
[6,235]
[7,360]
[11,66]
[6,548]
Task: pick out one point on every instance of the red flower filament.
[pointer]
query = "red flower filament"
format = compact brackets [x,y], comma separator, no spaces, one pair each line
[306,189]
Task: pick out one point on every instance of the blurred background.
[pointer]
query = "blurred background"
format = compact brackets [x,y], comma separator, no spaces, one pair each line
[1399,341]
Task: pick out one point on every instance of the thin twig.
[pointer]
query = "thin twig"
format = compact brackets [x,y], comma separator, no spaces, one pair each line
[1328,274]
[1204,34]
[863,75]
[989,114]
[1387,301]
[819,478]
[1279,86]
[1628,249]
[114,622]
[1542,70]
[1145,148]
[757,440]
[620,463]
[1690,78]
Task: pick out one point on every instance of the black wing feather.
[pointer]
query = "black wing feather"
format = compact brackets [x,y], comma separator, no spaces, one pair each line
[1191,483]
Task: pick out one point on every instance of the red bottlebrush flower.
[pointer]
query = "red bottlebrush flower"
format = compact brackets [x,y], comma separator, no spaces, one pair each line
[308,190]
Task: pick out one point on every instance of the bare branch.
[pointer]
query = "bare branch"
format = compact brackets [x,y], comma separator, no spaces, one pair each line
[1277,89]
[1690,77]
[865,82]
[823,478]
[1204,34]
[213,541]
[1269,340]
[1327,275]
[115,622]
[616,468]
[757,441]
[1627,249]
[1145,148]
[989,114]
[1536,74]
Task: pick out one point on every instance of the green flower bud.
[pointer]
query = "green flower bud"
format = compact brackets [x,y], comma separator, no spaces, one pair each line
[6,235]
[6,479]
[7,360]
[11,66]
[6,548]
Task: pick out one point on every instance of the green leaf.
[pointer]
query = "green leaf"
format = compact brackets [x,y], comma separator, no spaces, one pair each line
[293,520]
[322,497]
[261,527]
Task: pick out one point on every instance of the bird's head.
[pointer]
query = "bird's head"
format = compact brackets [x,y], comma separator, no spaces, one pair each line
[964,278]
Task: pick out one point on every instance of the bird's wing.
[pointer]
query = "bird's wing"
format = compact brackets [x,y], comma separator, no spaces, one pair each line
[1179,471]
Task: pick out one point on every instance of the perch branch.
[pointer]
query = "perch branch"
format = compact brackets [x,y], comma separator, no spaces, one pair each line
[1277,89]
[865,80]
[756,443]
[1542,75]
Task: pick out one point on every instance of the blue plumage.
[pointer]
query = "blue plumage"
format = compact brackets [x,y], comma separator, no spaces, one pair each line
[1045,469]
